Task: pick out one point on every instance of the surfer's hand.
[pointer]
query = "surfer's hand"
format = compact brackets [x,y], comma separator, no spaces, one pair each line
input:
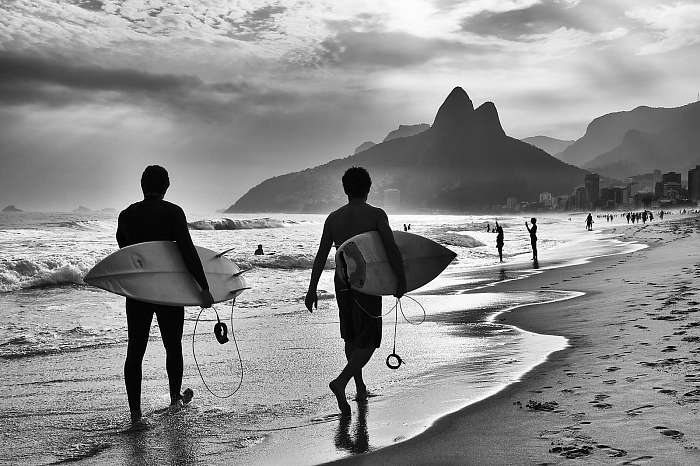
[207,299]
[311,300]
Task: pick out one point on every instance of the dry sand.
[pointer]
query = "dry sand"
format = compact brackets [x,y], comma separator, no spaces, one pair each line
[626,391]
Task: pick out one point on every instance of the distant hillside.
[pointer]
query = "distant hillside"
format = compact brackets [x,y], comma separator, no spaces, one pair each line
[608,131]
[674,147]
[11,208]
[364,146]
[406,130]
[464,161]
[552,146]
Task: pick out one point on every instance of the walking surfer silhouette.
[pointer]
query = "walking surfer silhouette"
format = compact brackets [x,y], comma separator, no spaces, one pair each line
[360,314]
[154,219]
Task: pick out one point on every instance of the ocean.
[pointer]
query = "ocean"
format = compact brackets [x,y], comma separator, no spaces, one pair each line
[62,343]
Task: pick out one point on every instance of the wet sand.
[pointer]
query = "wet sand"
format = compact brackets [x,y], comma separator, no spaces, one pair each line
[626,390]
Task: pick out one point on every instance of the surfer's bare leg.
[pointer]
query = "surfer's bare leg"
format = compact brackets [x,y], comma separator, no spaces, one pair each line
[138,325]
[358,359]
[360,387]
[171,324]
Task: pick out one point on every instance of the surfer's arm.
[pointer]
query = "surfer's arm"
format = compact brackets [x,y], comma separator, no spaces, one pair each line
[121,234]
[319,264]
[188,251]
[392,252]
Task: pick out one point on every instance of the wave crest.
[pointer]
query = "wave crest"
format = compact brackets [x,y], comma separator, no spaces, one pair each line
[236,224]
[24,273]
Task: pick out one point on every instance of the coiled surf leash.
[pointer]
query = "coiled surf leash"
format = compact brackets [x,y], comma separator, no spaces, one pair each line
[221,334]
[394,361]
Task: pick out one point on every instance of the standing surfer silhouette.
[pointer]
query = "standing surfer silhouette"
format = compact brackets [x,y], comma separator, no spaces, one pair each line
[154,219]
[533,237]
[360,314]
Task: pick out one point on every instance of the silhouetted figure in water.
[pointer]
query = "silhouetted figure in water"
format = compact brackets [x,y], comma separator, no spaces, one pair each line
[589,222]
[488,227]
[409,227]
[628,217]
[533,237]
[405,228]
[661,215]
[499,240]
[154,219]
[651,216]
[360,314]
[259,251]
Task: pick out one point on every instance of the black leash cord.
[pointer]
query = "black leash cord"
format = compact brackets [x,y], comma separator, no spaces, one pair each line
[233,336]
[394,361]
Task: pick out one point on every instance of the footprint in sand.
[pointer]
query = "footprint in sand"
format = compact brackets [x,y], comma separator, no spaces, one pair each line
[601,405]
[668,391]
[610,382]
[669,349]
[612,369]
[638,410]
[612,452]
[674,434]
[638,460]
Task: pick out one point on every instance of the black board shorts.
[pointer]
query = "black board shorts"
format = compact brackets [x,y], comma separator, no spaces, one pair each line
[360,316]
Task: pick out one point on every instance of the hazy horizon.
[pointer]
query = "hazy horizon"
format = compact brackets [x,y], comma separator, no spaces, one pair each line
[225,96]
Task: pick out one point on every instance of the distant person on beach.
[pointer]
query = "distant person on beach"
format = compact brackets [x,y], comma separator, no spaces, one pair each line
[499,240]
[404,227]
[360,314]
[488,227]
[259,251]
[589,222]
[533,237]
[154,219]
[409,227]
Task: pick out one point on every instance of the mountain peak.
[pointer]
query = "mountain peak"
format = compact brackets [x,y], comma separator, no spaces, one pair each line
[454,111]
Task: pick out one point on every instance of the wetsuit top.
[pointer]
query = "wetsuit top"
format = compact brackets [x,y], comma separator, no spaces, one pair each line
[154,219]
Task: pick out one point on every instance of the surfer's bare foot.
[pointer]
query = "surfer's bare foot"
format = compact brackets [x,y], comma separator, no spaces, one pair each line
[361,392]
[339,393]
[136,416]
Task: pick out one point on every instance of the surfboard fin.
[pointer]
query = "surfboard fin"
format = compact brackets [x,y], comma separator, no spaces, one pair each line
[224,252]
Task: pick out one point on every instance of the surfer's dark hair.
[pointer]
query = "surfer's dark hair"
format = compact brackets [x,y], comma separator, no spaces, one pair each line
[155,180]
[356,182]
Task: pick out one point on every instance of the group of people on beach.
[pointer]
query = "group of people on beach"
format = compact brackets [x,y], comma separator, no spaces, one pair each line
[532,231]
[154,219]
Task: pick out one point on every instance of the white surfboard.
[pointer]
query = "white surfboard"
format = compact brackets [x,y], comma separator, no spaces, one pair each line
[362,261]
[154,272]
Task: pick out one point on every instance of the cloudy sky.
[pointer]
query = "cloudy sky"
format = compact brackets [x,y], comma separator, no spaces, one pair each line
[227,93]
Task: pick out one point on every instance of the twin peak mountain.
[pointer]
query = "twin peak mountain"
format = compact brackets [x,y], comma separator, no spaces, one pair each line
[464,161]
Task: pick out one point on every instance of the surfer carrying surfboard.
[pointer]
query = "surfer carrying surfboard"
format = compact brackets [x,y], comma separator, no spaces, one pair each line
[360,314]
[155,219]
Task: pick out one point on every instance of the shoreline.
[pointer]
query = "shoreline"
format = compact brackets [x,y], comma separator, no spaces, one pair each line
[522,424]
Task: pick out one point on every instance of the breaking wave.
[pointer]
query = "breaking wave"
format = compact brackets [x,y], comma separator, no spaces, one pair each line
[236,224]
[283,261]
[23,273]
[455,239]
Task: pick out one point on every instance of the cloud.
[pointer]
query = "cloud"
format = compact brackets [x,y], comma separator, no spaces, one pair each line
[674,26]
[592,16]
[381,49]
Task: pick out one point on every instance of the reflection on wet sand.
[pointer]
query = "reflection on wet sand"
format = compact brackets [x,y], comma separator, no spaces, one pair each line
[359,441]
[172,442]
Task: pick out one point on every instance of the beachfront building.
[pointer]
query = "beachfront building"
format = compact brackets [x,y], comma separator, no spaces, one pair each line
[392,199]
[546,199]
[592,189]
[671,185]
[612,198]
[512,203]
[694,184]
[579,198]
